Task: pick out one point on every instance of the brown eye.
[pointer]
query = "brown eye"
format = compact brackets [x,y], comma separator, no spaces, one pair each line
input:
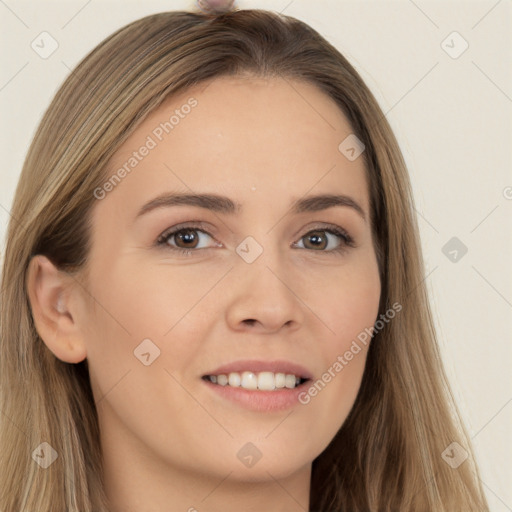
[319,239]
[316,239]
[183,239]
[188,237]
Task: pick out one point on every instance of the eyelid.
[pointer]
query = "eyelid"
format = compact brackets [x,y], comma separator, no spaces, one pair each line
[326,226]
[194,225]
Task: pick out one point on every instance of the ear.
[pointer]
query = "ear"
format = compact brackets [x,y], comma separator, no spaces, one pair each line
[51,294]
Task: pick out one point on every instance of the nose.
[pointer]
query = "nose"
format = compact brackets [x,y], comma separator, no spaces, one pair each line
[263,299]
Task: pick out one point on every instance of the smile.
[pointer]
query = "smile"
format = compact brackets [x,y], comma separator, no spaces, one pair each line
[264,381]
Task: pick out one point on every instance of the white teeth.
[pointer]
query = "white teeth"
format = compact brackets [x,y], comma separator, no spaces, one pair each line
[222,380]
[290,381]
[280,380]
[249,380]
[234,380]
[264,381]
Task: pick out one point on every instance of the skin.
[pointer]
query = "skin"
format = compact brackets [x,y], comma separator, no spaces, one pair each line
[166,438]
[215,5]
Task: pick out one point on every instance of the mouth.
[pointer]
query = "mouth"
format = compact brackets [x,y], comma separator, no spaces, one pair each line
[258,385]
[257,381]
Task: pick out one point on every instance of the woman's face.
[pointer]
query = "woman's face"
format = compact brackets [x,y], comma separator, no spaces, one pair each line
[266,286]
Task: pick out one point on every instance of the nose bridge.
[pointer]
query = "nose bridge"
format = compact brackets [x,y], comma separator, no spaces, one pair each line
[263,264]
[262,292]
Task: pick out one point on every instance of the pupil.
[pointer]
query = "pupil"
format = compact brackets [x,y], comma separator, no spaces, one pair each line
[317,240]
[187,236]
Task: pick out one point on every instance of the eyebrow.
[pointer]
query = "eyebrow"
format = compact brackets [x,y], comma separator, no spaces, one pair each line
[225,205]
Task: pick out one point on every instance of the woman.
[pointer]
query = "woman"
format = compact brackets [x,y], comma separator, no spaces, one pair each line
[216,297]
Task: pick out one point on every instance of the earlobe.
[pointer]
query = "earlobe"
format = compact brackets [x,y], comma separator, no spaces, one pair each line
[50,293]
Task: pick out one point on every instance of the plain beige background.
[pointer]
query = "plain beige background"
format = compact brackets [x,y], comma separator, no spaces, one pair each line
[451,112]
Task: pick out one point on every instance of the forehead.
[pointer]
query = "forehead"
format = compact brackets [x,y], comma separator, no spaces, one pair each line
[235,135]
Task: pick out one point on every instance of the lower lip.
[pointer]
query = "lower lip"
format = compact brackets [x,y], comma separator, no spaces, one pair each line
[261,401]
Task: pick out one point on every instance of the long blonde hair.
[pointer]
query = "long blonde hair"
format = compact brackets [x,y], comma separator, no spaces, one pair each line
[388,455]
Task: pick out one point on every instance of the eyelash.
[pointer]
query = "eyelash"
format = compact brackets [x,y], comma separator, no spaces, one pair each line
[346,240]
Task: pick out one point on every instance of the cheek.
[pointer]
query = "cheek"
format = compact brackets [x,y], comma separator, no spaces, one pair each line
[353,308]
[348,305]
[345,298]
[136,302]
[133,304]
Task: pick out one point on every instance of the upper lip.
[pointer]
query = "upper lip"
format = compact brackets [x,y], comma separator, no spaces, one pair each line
[256,366]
